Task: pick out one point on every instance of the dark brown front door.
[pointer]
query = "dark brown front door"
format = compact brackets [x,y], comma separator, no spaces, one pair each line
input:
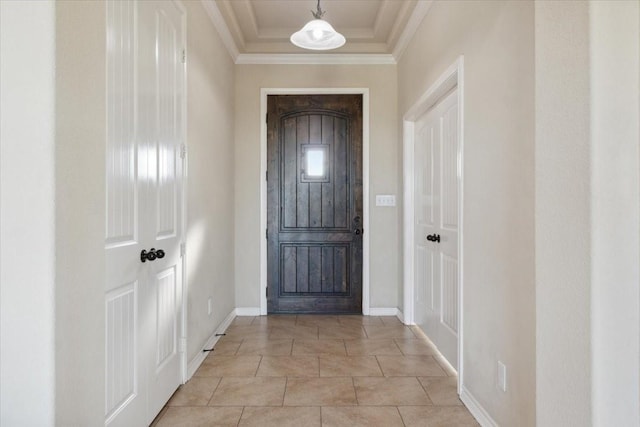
[314,211]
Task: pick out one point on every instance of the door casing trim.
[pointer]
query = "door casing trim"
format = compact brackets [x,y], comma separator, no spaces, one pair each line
[452,78]
[183,332]
[264,93]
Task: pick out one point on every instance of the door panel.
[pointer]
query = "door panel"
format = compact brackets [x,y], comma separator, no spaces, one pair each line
[121,362]
[437,185]
[449,163]
[122,177]
[315,203]
[166,298]
[449,285]
[168,127]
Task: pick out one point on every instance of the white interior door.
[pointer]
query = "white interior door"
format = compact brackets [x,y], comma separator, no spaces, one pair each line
[436,190]
[160,66]
[144,208]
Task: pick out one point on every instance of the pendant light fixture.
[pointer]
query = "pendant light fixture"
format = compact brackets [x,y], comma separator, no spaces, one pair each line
[318,34]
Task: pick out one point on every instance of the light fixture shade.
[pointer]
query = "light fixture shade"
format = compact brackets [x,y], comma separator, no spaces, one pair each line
[318,34]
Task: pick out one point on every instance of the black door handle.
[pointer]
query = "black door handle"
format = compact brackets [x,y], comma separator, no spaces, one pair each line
[151,255]
[356,224]
[433,238]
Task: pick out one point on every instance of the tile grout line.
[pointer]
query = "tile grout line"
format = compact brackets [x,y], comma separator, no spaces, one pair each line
[255,374]
[286,384]
[426,391]
[380,366]
[214,390]
[397,346]
[355,392]
[241,414]
[235,353]
[401,418]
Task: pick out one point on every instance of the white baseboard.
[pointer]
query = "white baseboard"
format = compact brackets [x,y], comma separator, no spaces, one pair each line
[476,409]
[383,311]
[400,315]
[248,311]
[195,363]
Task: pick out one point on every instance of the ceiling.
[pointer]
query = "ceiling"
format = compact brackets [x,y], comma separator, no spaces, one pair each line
[374,29]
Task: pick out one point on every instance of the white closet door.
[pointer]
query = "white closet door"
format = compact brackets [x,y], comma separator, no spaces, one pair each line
[436,187]
[144,208]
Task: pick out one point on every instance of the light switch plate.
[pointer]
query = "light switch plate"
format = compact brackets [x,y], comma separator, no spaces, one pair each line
[385,200]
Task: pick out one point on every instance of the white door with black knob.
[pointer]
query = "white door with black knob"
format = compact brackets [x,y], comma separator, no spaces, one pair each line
[436,191]
[144,178]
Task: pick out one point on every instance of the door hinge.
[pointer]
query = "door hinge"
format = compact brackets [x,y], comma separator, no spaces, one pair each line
[267,291]
[184,56]
[183,249]
[266,118]
[182,346]
[266,234]
[266,176]
[183,151]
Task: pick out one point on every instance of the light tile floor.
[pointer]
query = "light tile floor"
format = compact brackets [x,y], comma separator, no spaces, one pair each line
[310,370]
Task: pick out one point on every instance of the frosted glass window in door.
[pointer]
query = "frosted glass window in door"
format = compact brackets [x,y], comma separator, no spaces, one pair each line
[315,163]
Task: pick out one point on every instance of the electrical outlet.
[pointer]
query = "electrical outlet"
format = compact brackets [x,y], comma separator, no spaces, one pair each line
[385,200]
[209,306]
[502,376]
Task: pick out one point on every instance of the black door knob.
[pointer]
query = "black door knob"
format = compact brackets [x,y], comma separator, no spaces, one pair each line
[433,238]
[151,255]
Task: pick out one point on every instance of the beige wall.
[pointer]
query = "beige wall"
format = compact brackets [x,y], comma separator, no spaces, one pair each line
[80,211]
[496,39]
[210,218]
[563,217]
[615,131]
[383,166]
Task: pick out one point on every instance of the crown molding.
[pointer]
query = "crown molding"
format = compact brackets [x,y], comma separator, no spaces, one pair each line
[315,59]
[221,26]
[420,11]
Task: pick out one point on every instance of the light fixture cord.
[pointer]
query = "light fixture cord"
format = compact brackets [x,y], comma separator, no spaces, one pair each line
[319,13]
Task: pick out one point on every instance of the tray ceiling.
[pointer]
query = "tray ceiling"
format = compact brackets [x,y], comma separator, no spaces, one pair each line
[263,27]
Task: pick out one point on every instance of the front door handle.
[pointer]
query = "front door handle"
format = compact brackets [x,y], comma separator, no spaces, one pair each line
[356,224]
[433,238]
